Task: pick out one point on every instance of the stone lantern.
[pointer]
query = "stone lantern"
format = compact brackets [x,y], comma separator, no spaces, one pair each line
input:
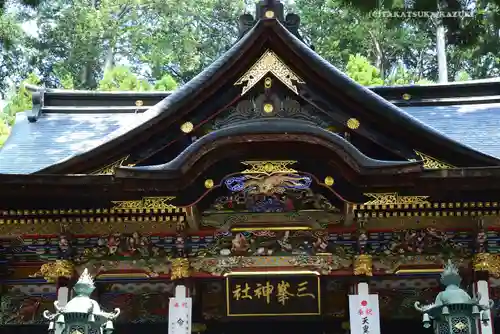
[454,311]
[81,315]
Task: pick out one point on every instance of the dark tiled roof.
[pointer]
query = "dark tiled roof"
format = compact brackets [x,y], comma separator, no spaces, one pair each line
[475,125]
[55,137]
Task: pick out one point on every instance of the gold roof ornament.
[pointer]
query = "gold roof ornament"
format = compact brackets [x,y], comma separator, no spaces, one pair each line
[394,199]
[432,163]
[110,169]
[147,203]
[52,271]
[269,167]
[269,62]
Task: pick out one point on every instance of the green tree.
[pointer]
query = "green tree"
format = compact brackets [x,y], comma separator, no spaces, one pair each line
[360,70]
[166,83]
[21,99]
[4,132]
[121,78]
[156,37]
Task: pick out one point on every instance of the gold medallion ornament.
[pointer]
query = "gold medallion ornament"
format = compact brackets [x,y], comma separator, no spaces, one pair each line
[269,63]
[209,183]
[187,127]
[363,265]
[329,181]
[180,268]
[352,123]
[268,108]
[269,14]
[52,271]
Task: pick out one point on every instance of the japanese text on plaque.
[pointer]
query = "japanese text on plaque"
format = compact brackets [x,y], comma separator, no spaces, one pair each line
[282,291]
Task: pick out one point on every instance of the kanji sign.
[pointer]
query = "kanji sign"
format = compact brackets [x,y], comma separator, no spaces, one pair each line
[273,295]
[179,316]
[364,314]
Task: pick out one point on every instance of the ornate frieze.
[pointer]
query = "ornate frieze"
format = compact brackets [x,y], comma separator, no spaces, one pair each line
[221,265]
[155,212]
[394,205]
[262,107]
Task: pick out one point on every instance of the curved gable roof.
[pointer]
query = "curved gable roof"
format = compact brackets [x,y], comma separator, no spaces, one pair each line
[367,106]
[292,130]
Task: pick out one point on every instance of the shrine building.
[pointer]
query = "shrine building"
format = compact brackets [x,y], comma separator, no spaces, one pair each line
[271,185]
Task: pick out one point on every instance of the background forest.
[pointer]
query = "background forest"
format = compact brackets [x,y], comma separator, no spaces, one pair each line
[160,44]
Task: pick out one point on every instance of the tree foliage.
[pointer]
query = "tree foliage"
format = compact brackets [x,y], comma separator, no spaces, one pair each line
[21,99]
[361,71]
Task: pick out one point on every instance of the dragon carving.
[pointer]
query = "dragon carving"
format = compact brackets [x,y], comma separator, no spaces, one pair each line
[268,185]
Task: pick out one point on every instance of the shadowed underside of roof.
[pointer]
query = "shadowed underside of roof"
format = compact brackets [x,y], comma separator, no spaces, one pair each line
[54,137]
[34,146]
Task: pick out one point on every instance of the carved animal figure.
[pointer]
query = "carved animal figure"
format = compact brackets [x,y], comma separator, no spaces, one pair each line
[276,183]
[239,244]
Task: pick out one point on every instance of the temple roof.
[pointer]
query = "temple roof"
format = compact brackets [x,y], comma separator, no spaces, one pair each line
[70,126]
[78,131]
[54,137]
[475,125]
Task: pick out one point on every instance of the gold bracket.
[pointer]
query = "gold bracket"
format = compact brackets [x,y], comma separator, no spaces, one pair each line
[180,268]
[487,262]
[394,199]
[269,167]
[432,163]
[110,169]
[363,265]
[53,270]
